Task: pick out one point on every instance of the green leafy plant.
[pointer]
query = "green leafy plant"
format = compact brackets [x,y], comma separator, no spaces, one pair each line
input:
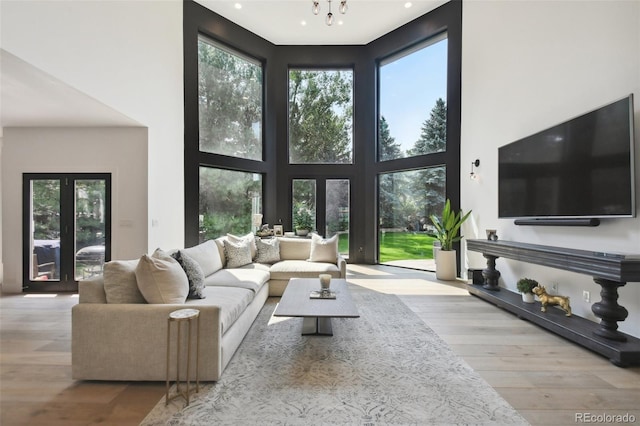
[302,219]
[448,225]
[526,285]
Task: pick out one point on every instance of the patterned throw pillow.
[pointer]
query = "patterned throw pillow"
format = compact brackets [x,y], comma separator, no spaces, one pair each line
[324,250]
[268,250]
[249,237]
[194,274]
[238,254]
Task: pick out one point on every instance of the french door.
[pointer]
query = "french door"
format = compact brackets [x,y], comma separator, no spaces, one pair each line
[66,229]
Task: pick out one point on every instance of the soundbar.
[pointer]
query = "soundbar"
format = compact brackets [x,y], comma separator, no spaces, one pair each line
[558,222]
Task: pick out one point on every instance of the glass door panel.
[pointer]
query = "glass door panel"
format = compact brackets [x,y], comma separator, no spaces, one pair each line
[406,200]
[44,232]
[304,204]
[337,212]
[90,227]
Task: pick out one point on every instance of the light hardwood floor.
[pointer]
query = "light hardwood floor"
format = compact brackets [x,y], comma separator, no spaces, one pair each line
[547,379]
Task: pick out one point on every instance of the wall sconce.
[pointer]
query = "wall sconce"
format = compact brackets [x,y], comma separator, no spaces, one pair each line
[473,175]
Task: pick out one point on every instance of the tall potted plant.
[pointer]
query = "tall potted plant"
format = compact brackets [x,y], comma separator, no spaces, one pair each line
[447,227]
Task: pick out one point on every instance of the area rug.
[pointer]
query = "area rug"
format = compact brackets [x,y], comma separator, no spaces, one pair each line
[384,368]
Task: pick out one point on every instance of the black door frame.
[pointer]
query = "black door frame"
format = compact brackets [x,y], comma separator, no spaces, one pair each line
[67,282]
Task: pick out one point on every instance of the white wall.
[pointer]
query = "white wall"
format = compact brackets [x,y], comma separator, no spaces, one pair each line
[128,55]
[119,151]
[526,66]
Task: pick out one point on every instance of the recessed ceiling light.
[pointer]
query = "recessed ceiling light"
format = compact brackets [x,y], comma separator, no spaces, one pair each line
[303,23]
[340,22]
[238,6]
[408,4]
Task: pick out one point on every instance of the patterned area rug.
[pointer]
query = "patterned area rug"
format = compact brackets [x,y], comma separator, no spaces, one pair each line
[384,368]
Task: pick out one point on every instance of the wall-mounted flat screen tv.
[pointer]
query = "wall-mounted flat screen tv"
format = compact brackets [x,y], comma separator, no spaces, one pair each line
[582,168]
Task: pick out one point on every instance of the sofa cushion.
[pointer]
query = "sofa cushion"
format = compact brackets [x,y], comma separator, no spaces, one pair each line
[232,302]
[194,274]
[207,256]
[287,269]
[323,249]
[249,237]
[120,284]
[268,251]
[161,279]
[294,248]
[249,278]
[237,253]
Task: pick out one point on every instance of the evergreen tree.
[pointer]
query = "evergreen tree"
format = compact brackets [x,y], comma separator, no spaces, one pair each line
[389,149]
[429,186]
[433,136]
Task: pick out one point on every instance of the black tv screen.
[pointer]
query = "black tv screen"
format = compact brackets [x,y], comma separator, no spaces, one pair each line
[582,168]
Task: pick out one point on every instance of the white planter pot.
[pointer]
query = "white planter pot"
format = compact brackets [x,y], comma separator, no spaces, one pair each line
[446,265]
[528,298]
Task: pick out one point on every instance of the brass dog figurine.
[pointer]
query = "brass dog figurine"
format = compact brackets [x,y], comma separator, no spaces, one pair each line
[546,299]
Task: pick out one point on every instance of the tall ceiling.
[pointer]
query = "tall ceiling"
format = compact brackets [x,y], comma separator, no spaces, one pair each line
[32,98]
[292,21]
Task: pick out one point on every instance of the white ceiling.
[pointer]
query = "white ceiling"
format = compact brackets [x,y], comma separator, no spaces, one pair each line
[30,97]
[280,21]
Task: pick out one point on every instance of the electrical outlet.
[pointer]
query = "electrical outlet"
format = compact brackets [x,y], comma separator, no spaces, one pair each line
[586,296]
[553,288]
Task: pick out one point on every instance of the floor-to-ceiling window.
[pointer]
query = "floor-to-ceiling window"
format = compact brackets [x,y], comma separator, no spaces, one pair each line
[320,135]
[323,121]
[230,111]
[412,125]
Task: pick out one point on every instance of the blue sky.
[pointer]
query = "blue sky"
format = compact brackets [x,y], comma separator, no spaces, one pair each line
[409,88]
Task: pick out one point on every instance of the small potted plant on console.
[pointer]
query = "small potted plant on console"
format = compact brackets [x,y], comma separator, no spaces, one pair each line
[302,221]
[526,286]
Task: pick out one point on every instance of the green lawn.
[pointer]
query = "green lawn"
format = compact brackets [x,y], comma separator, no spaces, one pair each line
[405,245]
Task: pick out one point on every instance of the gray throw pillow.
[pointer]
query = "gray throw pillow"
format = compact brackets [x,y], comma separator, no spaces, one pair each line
[268,251]
[194,274]
[238,254]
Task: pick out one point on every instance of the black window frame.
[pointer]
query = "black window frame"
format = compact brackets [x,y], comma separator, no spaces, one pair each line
[364,169]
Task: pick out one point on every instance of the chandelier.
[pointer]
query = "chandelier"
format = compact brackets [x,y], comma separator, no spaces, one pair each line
[329,19]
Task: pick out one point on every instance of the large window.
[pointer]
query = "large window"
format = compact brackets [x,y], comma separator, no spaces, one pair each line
[320,116]
[412,129]
[228,201]
[230,102]
[406,200]
[413,101]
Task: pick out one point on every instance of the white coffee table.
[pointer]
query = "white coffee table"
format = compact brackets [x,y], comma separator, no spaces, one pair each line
[317,313]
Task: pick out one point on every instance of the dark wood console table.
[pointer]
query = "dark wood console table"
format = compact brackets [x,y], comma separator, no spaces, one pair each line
[609,270]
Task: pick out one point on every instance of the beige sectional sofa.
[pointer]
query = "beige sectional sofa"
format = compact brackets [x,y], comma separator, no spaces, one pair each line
[118,335]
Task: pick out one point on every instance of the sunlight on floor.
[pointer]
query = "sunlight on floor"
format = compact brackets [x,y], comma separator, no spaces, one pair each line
[404,281]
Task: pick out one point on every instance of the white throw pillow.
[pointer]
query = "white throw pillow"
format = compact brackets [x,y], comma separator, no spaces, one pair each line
[324,250]
[268,250]
[161,279]
[249,237]
[207,255]
[120,284]
[238,254]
